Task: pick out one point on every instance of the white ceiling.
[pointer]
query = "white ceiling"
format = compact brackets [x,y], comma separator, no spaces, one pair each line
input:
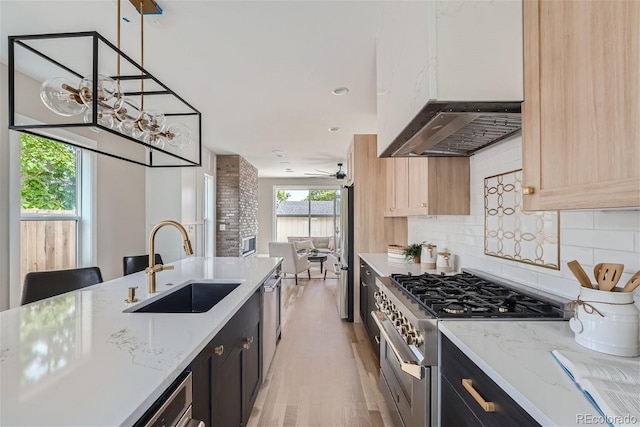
[261,72]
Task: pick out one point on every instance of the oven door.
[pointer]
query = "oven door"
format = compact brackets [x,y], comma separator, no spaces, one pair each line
[404,380]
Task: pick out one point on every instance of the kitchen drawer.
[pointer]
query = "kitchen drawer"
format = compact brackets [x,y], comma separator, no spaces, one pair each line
[455,367]
[229,336]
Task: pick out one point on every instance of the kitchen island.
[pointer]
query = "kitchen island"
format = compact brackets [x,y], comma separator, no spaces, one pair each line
[78,359]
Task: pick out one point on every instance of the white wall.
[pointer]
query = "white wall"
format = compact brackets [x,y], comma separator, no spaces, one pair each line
[4,192]
[266,207]
[177,194]
[588,236]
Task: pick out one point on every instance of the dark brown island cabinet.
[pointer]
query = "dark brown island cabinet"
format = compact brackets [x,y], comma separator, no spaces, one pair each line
[470,398]
[368,289]
[227,374]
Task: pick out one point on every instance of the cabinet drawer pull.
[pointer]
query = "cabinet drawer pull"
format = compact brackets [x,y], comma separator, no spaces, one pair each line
[218,350]
[487,406]
[377,339]
[247,343]
[528,190]
[424,205]
[364,285]
[392,209]
[367,272]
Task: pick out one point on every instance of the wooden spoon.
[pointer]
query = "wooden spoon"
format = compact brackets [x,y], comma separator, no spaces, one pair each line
[580,274]
[609,275]
[633,283]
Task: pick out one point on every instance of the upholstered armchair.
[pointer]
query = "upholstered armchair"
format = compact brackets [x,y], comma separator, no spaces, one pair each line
[292,262]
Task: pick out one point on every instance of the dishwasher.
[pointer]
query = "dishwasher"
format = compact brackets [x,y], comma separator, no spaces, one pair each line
[272,290]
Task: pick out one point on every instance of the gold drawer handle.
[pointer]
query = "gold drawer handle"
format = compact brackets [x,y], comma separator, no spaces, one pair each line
[218,350]
[424,205]
[367,272]
[377,338]
[528,190]
[247,343]
[392,209]
[487,406]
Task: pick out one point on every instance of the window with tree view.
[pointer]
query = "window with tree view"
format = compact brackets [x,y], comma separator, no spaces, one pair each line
[49,176]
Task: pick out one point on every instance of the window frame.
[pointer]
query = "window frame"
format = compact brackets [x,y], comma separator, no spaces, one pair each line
[87,224]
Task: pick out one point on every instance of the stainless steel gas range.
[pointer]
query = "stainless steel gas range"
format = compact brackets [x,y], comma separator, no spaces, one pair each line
[409,308]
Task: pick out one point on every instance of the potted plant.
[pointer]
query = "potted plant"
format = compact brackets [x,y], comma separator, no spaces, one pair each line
[313,252]
[413,251]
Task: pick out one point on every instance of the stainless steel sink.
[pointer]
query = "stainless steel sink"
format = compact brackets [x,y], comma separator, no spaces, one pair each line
[189,297]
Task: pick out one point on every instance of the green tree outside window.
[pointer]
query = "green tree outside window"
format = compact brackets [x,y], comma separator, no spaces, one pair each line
[48,174]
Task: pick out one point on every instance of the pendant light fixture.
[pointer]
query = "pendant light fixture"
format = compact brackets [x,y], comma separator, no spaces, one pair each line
[127,102]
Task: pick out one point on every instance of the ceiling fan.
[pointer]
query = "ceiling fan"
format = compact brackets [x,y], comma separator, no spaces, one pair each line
[340,174]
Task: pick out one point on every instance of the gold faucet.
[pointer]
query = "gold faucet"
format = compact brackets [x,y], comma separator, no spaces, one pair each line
[153,268]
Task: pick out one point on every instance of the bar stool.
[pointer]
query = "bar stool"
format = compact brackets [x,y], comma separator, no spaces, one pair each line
[44,284]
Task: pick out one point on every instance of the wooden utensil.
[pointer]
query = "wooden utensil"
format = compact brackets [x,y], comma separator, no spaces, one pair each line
[580,274]
[633,283]
[609,275]
[596,270]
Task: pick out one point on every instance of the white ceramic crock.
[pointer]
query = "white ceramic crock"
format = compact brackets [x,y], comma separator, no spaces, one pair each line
[616,331]
[428,255]
[444,263]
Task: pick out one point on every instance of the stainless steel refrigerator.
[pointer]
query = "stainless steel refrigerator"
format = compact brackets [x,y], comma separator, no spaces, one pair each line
[346,265]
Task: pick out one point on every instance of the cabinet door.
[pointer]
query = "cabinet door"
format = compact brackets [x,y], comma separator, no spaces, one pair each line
[226,388]
[581,115]
[418,186]
[251,373]
[374,331]
[397,187]
[363,298]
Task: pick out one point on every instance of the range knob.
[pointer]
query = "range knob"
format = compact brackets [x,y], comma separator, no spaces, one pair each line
[418,340]
[410,337]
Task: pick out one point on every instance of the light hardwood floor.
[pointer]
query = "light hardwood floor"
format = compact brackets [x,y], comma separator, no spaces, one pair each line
[324,372]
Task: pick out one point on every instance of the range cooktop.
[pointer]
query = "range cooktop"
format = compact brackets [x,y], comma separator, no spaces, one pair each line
[465,295]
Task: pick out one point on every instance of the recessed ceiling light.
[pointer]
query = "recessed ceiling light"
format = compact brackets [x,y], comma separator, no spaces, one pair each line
[277,151]
[285,163]
[334,129]
[280,155]
[289,170]
[340,91]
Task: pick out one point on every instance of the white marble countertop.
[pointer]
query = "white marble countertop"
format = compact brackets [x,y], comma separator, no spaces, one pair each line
[385,266]
[77,359]
[516,355]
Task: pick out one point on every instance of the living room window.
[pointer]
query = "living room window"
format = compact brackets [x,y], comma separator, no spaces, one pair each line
[306,212]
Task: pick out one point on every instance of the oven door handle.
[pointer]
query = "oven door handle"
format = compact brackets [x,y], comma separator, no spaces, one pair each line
[407,363]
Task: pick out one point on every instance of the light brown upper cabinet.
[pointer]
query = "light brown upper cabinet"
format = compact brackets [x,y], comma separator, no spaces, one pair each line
[397,187]
[581,115]
[427,186]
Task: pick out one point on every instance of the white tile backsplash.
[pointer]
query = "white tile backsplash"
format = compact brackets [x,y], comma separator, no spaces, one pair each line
[588,236]
[605,239]
[617,220]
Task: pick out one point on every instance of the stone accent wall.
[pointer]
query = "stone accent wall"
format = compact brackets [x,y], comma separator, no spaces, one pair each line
[236,203]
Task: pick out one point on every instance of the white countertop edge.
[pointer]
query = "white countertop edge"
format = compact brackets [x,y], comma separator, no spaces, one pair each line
[514,393]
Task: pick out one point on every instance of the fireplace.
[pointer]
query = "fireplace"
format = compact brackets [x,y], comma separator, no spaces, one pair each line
[248,246]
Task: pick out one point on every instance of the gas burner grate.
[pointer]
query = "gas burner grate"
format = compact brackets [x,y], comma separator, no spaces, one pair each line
[465,295]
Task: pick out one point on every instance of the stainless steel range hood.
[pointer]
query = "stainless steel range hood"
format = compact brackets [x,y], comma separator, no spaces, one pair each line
[453,128]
